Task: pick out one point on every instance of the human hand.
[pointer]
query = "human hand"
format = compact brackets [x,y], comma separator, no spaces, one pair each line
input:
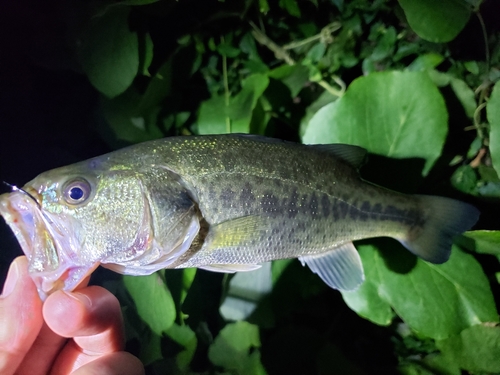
[71,333]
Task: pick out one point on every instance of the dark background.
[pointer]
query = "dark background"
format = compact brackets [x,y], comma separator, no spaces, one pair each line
[48,117]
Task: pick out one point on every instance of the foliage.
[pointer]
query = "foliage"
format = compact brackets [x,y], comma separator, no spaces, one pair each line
[379,74]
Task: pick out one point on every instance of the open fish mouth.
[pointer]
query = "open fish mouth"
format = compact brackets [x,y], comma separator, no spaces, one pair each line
[48,241]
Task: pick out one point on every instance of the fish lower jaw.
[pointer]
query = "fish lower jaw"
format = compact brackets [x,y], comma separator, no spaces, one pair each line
[66,279]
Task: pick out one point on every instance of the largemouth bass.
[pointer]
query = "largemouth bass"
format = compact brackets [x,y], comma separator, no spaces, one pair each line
[222,203]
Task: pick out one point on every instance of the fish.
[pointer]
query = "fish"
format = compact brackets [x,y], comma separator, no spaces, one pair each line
[224,203]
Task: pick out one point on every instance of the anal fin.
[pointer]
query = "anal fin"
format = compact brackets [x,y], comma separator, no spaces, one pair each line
[340,268]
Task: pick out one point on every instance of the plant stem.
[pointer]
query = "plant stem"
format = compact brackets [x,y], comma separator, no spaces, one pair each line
[226,88]
[282,54]
[485,37]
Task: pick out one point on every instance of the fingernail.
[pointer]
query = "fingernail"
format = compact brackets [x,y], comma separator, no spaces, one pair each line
[11,280]
[80,297]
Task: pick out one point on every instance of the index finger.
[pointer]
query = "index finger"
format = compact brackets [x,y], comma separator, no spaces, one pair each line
[92,317]
[20,316]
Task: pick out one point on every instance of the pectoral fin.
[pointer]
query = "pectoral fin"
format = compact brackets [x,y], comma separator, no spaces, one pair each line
[232,233]
[340,268]
[236,232]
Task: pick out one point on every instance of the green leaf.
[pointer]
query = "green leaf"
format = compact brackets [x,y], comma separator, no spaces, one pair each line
[153,301]
[465,179]
[183,335]
[485,241]
[234,349]
[150,348]
[242,105]
[324,99]
[278,267]
[493,114]
[110,52]
[160,86]
[395,114]
[246,289]
[228,50]
[436,21]
[293,76]
[127,124]
[263,6]
[291,7]
[169,80]
[466,96]
[260,118]
[441,364]
[385,45]
[317,52]
[212,116]
[426,62]
[475,349]
[136,2]
[366,300]
[145,54]
[436,301]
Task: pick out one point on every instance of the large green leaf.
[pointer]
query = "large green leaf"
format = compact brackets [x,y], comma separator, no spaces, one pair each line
[183,335]
[234,349]
[246,289]
[484,241]
[436,301]
[396,114]
[293,76]
[475,349]
[493,113]
[110,52]
[242,105]
[436,21]
[215,117]
[153,301]
[124,119]
[212,116]
[367,301]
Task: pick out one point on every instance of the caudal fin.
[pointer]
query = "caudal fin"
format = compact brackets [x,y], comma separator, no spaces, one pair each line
[447,218]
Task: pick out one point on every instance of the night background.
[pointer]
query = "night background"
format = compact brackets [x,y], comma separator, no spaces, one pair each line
[54,111]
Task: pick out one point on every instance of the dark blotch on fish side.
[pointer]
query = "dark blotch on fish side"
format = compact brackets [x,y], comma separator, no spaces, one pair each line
[360,214]
[340,209]
[325,205]
[313,205]
[291,205]
[270,203]
[246,194]
[226,195]
[408,217]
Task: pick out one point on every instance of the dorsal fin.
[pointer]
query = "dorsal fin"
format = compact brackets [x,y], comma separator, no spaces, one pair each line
[353,155]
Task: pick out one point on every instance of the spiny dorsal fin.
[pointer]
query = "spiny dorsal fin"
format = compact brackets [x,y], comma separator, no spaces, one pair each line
[353,155]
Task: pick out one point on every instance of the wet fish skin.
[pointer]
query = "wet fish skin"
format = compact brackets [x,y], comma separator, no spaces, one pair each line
[225,203]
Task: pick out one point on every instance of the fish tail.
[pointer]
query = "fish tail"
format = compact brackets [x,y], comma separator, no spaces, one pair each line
[445,218]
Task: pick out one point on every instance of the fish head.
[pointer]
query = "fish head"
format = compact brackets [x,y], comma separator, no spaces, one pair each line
[70,219]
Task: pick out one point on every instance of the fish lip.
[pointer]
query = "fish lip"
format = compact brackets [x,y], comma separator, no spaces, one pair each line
[50,263]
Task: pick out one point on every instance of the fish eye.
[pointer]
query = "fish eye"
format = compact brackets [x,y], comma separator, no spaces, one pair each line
[76,191]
